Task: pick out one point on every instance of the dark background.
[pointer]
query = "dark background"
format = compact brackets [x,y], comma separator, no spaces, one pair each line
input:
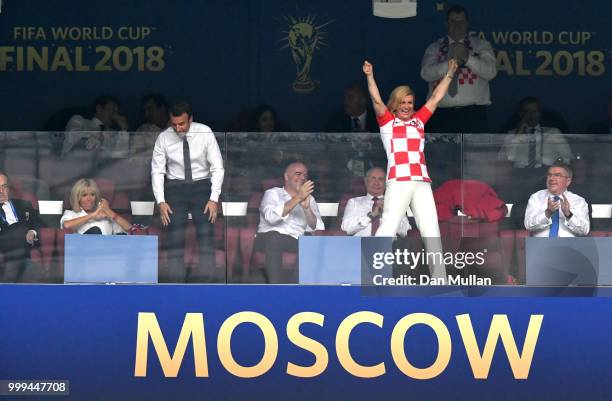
[227,56]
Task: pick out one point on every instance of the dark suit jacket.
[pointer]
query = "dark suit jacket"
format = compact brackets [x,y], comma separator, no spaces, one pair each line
[14,235]
[342,122]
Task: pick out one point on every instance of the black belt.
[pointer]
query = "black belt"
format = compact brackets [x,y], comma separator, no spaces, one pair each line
[184,182]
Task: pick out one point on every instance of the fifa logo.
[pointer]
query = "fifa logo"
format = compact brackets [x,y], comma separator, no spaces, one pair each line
[304,37]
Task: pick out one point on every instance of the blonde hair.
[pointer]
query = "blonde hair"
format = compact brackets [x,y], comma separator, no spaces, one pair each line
[80,188]
[397,95]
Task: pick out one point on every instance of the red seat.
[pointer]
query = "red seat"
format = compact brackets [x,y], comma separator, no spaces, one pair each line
[493,266]
[222,260]
[258,258]
[289,260]
[47,246]
[61,241]
[107,189]
[121,201]
[232,240]
[271,183]
[246,243]
[520,237]
[507,241]
[30,197]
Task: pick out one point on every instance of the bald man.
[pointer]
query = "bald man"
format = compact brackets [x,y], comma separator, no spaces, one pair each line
[284,215]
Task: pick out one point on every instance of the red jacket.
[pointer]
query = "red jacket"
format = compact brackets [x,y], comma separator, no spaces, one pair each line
[474,198]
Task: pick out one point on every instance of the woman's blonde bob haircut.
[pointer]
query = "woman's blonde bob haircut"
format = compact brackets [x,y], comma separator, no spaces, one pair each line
[80,188]
[397,95]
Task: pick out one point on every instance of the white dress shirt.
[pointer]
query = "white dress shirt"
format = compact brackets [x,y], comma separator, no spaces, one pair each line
[114,144]
[206,159]
[356,221]
[106,225]
[550,146]
[539,225]
[473,79]
[11,217]
[294,223]
[361,122]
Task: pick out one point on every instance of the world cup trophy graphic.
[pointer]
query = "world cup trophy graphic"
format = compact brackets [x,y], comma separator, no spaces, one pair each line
[304,38]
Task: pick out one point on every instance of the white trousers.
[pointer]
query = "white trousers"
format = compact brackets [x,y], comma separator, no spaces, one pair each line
[417,195]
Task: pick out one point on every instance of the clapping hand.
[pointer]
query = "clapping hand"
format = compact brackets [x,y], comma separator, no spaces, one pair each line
[102,211]
[378,209]
[565,206]
[460,53]
[452,66]
[306,189]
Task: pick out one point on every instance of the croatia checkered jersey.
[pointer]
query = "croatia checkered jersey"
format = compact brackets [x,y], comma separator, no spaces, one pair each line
[404,142]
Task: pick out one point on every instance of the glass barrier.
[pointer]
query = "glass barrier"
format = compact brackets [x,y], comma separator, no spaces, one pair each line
[481,182]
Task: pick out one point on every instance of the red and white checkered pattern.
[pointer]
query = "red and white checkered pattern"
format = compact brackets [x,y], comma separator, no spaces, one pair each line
[465,76]
[404,142]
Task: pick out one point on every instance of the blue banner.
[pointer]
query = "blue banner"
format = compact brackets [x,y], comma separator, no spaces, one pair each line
[304,343]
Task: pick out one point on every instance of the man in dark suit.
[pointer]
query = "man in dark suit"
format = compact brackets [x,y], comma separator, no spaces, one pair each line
[366,149]
[18,225]
[356,117]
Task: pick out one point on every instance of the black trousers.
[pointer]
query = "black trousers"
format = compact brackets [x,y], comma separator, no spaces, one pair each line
[185,198]
[14,249]
[273,244]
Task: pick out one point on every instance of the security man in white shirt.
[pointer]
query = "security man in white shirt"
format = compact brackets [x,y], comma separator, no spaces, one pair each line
[183,187]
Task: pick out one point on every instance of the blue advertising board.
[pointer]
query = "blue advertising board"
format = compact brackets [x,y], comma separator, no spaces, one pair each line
[304,342]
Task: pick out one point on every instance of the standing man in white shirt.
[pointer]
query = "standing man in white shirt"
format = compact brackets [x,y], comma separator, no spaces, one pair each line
[555,211]
[187,174]
[362,214]
[464,107]
[284,215]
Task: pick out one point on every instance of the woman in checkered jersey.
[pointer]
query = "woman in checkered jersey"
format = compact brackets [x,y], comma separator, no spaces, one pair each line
[402,130]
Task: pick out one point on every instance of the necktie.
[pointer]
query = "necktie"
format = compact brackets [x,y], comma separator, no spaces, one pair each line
[375,220]
[355,124]
[531,158]
[187,160]
[554,228]
[2,214]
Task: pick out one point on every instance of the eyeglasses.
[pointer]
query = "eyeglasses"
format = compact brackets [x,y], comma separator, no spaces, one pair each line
[4,187]
[556,175]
